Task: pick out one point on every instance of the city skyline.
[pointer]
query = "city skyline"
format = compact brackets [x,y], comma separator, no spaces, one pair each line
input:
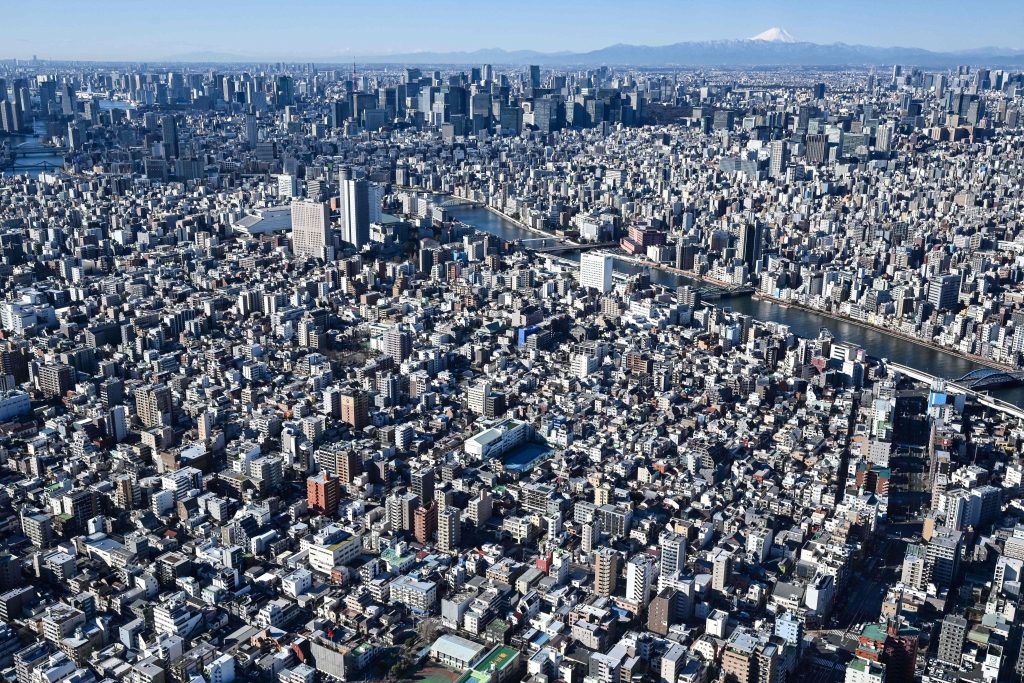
[687,362]
[263,31]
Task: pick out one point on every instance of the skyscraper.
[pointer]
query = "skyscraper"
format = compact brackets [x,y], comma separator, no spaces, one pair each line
[534,76]
[355,209]
[8,117]
[751,243]
[169,128]
[816,146]
[251,131]
[944,291]
[310,228]
[779,158]
[596,272]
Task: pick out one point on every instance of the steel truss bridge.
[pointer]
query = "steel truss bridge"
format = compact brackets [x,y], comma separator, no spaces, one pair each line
[989,378]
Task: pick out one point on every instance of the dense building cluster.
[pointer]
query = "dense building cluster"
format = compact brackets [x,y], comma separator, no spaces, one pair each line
[269,413]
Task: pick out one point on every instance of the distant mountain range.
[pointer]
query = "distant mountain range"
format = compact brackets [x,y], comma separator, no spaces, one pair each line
[774,47]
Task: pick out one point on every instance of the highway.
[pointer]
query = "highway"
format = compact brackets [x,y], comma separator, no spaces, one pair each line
[953,387]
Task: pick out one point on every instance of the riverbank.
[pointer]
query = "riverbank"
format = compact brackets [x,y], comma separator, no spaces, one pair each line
[483,205]
[689,274]
[987,362]
[806,323]
[523,226]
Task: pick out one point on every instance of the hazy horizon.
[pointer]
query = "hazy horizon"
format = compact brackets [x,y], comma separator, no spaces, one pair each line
[311,29]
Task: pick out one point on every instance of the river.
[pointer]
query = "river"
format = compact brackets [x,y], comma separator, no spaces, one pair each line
[803,323]
[32,165]
[40,153]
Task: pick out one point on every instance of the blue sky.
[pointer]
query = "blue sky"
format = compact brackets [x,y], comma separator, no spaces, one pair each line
[303,29]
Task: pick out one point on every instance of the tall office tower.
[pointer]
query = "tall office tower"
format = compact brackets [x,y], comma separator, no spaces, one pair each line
[310,229]
[423,484]
[117,424]
[883,137]
[751,244]
[398,343]
[449,529]
[251,130]
[284,91]
[534,76]
[779,158]
[355,408]
[8,118]
[323,492]
[153,405]
[596,272]
[816,146]
[606,571]
[287,186]
[355,209]
[943,292]
[951,639]
[169,127]
[68,104]
[639,576]
[673,552]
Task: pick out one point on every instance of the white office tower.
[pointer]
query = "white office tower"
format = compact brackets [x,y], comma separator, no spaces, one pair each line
[596,272]
[354,197]
[287,186]
[310,229]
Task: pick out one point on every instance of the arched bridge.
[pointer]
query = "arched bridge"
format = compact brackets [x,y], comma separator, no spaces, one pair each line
[452,201]
[989,378]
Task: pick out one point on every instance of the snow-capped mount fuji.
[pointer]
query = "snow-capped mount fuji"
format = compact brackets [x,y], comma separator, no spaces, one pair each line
[775,47]
[775,35]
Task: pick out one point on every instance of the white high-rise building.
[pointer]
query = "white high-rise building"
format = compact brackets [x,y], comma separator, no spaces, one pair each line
[287,186]
[310,229]
[596,272]
[356,208]
[478,394]
[673,552]
[639,577]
